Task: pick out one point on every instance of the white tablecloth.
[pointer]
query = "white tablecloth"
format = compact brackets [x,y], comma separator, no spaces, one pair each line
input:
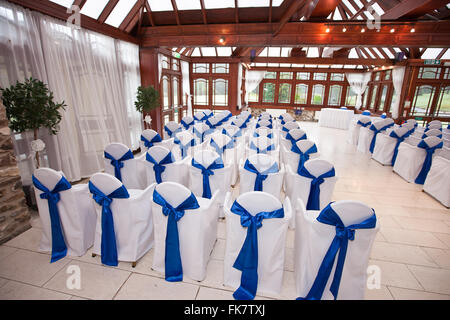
[335,118]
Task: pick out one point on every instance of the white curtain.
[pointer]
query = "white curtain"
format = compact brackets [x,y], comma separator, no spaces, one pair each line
[358,83]
[160,58]
[239,86]
[252,80]
[95,75]
[186,85]
[398,74]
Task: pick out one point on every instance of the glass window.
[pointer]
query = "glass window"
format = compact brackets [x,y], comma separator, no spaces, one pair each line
[175,64]
[200,68]
[447,74]
[383,97]
[318,92]
[321,76]
[201,91]
[220,68]
[303,75]
[165,92]
[270,75]
[374,96]
[269,92]
[423,98]
[286,75]
[337,77]
[166,119]
[253,96]
[443,107]
[429,73]
[350,98]
[387,75]
[165,62]
[176,116]
[377,76]
[301,93]
[366,98]
[175,90]
[220,92]
[284,93]
[334,97]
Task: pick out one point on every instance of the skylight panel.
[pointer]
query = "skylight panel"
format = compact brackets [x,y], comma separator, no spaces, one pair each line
[274,51]
[397,49]
[273,65]
[446,55]
[353,54]
[369,15]
[378,9]
[323,66]
[294,65]
[209,51]
[160,5]
[380,55]
[64,3]
[389,53]
[120,12]
[259,64]
[224,51]
[285,65]
[285,52]
[431,53]
[310,66]
[188,4]
[337,15]
[349,6]
[313,52]
[218,4]
[370,54]
[263,53]
[350,66]
[196,53]
[358,3]
[253,3]
[363,54]
[93,8]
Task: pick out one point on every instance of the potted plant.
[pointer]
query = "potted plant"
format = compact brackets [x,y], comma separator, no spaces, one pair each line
[30,106]
[147,99]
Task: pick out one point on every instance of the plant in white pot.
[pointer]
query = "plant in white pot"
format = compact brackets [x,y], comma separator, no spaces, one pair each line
[29,107]
[147,99]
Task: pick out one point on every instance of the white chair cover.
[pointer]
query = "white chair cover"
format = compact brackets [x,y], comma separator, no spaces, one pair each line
[149,134]
[289,126]
[187,122]
[76,213]
[299,187]
[175,171]
[385,146]
[133,174]
[197,230]
[201,131]
[263,143]
[410,159]
[356,127]
[133,223]
[272,184]
[437,183]
[271,240]
[292,159]
[264,123]
[313,239]
[173,126]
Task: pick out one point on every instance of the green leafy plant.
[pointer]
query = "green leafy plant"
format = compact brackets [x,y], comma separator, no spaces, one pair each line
[147,99]
[30,106]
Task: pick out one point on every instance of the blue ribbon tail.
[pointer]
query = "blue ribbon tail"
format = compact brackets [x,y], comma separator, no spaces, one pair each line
[173,266]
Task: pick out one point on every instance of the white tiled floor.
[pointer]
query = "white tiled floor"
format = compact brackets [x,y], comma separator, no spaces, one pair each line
[412,248]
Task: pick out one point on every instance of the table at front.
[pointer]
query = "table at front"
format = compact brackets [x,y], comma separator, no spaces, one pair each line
[335,118]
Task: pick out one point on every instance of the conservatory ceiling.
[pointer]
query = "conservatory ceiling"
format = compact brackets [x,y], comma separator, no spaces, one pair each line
[272,33]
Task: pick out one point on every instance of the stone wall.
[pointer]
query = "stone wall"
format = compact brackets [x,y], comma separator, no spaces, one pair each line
[14,213]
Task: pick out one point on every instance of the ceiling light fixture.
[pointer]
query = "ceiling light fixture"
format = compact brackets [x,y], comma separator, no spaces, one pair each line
[344,29]
[327,30]
[222,40]
[392,30]
[363,30]
[413,30]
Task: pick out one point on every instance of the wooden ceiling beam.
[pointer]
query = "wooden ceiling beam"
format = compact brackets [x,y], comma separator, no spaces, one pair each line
[149,13]
[321,61]
[132,14]
[107,10]
[416,8]
[290,11]
[236,11]
[175,9]
[79,3]
[323,9]
[202,4]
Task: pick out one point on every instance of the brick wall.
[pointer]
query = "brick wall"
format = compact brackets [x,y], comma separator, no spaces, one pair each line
[14,212]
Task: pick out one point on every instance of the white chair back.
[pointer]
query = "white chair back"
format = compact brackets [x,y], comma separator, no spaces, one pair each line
[130,172]
[433,132]
[435,124]
[175,171]
[172,126]
[264,123]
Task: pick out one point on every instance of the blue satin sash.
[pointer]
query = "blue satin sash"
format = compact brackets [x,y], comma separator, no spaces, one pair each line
[242,126]
[108,244]
[212,126]
[314,193]
[293,141]
[202,118]
[59,248]
[260,176]
[258,150]
[206,172]
[170,132]
[399,140]
[270,126]
[221,150]
[366,113]
[364,124]
[159,167]
[247,260]
[426,136]
[172,260]
[118,164]
[184,147]
[149,144]
[257,135]
[201,135]
[303,156]
[234,136]
[339,244]
[187,125]
[375,133]
[428,159]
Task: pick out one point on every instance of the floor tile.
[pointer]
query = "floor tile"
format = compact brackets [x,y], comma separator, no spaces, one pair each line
[440,256]
[432,279]
[19,291]
[382,293]
[408,294]
[422,224]
[28,240]
[396,274]
[413,237]
[6,251]
[401,253]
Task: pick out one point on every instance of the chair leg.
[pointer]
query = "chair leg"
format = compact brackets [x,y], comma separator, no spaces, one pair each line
[133,264]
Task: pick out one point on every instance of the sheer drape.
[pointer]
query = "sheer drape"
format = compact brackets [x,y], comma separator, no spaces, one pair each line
[186,85]
[239,86]
[95,75]
[398,74]
[252,80]
[358,82]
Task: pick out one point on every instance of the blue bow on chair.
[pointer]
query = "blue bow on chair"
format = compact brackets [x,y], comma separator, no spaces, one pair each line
[258,150]
[314,193]
[340,243]
[59,248]
[247,260]
[206,172]
[159,167]
[212,126]
[221,150]
[172,133]
[375,133]
[184,147]
[242,126]
[260,176]
[172,260]
[187,125]
[234,136]
[203,118]
[428,160]
[201,135]
[303,156]
[366,113]
[149,143]
[293,141]
[362,124]
[399,140]
[108,242]
[118,163]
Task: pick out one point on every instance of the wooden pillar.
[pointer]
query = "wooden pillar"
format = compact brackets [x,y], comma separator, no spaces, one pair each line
[234,86]
[407,93]
[149,76]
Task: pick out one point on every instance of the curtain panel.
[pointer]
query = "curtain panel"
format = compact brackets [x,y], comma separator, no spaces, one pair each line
[358,82]
[252,80]
[97,77]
